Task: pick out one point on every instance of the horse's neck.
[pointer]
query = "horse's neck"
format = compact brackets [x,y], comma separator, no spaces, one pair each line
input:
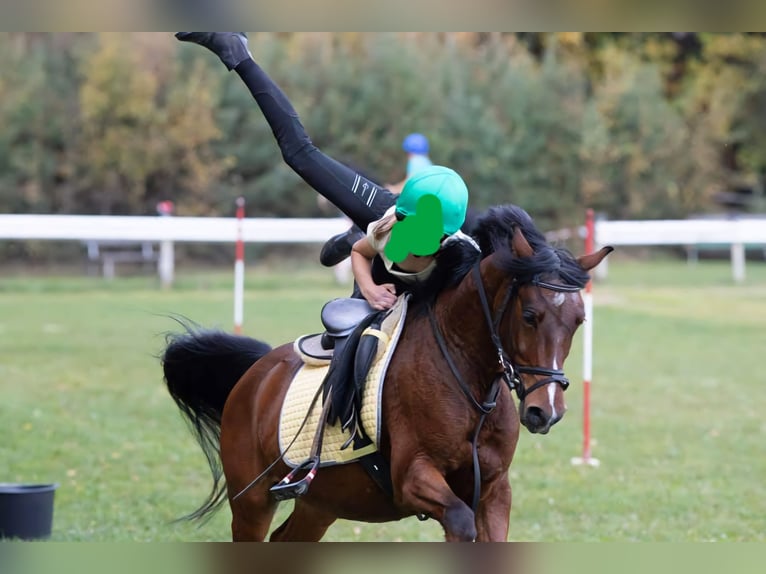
[464,322]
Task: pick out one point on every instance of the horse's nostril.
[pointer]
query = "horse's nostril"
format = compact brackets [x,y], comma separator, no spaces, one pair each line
[535,417]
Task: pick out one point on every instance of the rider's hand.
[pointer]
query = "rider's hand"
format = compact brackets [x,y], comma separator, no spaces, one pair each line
[380,297]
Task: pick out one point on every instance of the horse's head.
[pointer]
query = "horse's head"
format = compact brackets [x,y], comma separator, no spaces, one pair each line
[544,315]
[537,308]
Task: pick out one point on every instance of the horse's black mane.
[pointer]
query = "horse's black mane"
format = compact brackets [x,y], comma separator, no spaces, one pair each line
[493,232]
[453,262]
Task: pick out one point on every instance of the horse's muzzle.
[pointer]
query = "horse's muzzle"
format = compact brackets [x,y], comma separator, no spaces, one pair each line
[537,421]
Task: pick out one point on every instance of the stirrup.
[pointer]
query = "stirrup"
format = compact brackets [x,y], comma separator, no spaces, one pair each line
[286,489]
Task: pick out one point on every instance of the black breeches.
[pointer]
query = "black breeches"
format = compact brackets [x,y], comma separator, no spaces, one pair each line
[361,199]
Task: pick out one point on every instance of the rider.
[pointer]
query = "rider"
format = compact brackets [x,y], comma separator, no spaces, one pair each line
[338,247]
[362,200]
[412,262]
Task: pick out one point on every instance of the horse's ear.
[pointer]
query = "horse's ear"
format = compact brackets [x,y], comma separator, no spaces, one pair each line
[520,245]
[589,261]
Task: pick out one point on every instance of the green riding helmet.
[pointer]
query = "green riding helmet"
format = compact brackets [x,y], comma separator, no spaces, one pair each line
[446,185]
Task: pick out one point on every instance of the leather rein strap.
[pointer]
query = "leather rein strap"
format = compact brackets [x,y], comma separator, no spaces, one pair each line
[509,372]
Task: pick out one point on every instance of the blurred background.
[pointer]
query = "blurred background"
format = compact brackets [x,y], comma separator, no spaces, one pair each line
[636,126]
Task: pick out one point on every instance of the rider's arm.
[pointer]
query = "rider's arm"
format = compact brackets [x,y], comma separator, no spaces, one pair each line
[378,296]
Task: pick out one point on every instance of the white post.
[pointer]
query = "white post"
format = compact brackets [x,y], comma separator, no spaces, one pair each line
[239,270]
[601,270]
[166,261]
[692,254]
[587,369]
[108,267]
[738,262]
[343,271]
[166,264]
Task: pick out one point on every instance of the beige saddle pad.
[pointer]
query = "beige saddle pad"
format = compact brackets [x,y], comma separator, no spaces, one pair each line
[305,386]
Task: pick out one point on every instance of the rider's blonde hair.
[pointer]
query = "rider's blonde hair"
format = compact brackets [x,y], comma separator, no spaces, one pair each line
[383,226]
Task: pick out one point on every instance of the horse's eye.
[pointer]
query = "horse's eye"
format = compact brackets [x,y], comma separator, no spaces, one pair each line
[530,318]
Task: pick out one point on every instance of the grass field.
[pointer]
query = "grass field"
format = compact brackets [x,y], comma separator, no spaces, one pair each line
[678,401]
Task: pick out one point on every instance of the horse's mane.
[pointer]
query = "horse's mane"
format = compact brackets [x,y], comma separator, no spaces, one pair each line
[494,231]
[453,262]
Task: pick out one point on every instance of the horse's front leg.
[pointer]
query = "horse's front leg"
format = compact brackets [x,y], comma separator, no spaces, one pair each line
[494,512]
[424,489]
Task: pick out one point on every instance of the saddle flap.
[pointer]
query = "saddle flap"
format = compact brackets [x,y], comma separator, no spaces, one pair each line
[340,316]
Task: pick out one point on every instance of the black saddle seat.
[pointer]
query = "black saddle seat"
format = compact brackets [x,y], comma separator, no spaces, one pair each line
[340,316]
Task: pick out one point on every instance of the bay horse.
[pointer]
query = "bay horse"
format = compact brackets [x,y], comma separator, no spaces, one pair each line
[450,423]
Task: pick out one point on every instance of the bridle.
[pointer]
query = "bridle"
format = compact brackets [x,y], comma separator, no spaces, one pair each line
[510,373]
[509,370]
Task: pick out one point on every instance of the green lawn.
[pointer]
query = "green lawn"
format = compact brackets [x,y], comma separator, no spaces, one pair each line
[678,400]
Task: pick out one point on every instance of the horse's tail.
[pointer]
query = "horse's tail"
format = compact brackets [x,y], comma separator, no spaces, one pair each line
[201,368]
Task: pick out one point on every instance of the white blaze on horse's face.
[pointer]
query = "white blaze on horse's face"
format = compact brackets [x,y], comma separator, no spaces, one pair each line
[552,400]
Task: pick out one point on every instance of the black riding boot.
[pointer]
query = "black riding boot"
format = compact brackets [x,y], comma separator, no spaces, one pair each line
[231,47]
[338,247]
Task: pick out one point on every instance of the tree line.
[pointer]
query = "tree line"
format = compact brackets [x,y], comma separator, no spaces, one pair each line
[633,125]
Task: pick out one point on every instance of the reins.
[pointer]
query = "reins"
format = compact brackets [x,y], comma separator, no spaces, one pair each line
[509,372]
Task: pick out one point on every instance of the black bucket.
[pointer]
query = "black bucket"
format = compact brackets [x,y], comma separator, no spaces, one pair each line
[26,510]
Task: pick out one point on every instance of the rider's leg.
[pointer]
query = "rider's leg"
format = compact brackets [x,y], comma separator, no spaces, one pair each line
[359,198]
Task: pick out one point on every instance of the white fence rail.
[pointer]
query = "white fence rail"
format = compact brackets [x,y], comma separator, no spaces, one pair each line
[190,229]
[692,233]
[167,230]
[736,233]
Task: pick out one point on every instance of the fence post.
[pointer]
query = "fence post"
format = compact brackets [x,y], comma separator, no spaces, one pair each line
[738,262]
[239,270]
[166,261]
[587,370]
[601,270]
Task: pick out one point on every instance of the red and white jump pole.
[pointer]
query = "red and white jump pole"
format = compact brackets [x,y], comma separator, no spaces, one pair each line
[239,269]
[587,369]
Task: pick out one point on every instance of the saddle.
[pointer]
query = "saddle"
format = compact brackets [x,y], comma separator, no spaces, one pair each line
[339,318]
[350,346]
